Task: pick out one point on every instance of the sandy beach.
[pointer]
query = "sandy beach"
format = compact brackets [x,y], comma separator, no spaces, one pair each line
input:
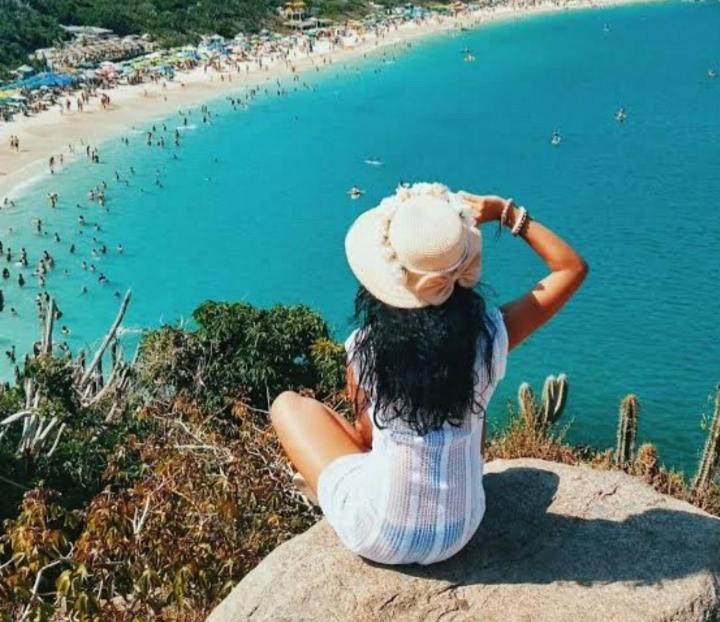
[51,132]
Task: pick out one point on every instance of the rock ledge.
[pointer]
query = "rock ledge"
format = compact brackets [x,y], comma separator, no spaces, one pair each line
[558,543]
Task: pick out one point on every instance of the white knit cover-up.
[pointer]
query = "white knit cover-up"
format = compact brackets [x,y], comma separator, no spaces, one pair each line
[411,498]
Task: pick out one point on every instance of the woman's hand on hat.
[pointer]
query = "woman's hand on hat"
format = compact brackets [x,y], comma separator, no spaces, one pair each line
[485,207]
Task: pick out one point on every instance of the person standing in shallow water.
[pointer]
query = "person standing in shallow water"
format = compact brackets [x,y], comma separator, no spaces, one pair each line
[403,484]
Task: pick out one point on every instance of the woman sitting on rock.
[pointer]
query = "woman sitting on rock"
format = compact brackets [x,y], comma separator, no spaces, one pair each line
[404,483]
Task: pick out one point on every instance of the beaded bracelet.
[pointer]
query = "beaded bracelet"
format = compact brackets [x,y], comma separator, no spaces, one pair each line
[520,222]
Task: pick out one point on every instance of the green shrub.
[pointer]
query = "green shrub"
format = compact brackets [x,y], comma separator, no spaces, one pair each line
[242,352]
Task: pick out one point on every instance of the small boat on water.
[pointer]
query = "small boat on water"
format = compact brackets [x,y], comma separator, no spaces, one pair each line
[465,51]
[712,73]
[555,139]
[620,115]
[606,28]
[355,193]
[469,58]
[373,161]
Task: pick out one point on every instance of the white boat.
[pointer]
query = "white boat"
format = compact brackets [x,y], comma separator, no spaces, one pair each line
[556,138]
[620,115]
[373,162]
[355,193]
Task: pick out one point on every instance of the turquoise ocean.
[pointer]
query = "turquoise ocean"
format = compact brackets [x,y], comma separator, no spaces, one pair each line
[255,207]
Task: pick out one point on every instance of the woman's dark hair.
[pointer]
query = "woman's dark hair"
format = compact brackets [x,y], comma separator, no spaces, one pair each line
[419,365]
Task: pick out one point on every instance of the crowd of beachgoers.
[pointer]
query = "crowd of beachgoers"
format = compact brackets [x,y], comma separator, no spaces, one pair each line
[31,93]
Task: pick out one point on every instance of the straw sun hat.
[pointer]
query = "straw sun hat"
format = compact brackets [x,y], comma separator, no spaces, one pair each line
[412,249]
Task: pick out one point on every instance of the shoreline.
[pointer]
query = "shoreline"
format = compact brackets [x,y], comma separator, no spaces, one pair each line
[50,133]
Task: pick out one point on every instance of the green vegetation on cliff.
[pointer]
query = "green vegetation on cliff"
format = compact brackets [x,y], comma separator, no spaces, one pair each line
[155,490]
[22,30]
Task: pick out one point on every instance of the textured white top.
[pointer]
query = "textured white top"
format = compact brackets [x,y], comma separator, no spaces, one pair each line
[413,498]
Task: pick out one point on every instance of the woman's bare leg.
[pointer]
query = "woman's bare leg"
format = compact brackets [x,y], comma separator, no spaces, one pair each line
[312,434]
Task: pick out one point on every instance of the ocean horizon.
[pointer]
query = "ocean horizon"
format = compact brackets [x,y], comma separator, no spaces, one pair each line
[255,206]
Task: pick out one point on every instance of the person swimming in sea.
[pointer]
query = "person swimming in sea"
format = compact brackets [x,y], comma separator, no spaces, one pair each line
[21,280]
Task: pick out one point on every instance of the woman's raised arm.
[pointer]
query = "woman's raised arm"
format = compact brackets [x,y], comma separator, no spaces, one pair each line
[568,269]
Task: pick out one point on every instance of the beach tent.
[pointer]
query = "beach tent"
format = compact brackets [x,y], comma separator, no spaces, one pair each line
[47,80]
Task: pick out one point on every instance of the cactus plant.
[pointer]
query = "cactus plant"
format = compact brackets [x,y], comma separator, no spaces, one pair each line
[710,461]
[554,396]
[526,403]
[627,431]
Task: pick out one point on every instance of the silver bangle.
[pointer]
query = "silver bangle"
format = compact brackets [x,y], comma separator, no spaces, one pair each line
[520,222]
